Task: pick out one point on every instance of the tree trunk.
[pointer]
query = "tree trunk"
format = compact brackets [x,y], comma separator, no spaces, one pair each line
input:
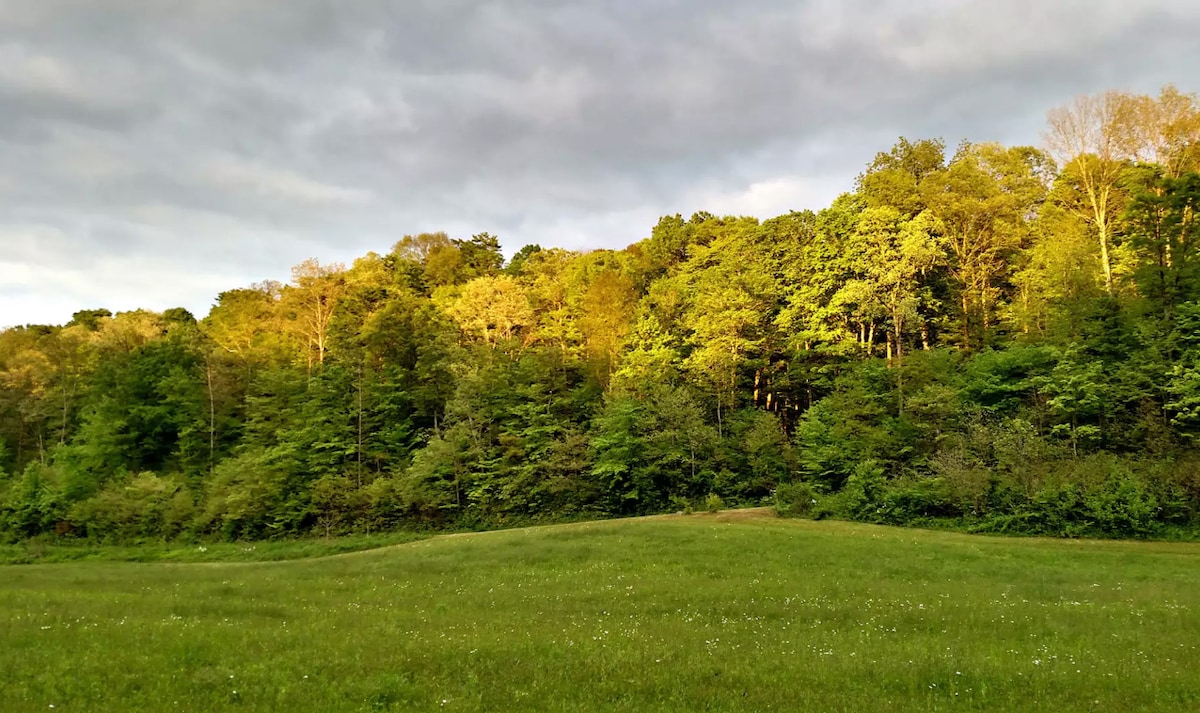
[62,433]
[1105,260]
[1098,196]
[898,329]
[966,320]
[212,418]
[358,470]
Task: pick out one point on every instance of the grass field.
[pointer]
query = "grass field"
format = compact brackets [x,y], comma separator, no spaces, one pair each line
[262,551]
[730,612]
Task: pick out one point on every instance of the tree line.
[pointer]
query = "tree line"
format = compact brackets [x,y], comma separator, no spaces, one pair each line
[992,337]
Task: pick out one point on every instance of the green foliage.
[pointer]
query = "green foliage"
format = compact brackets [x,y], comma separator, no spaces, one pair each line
[959,340]
[796,499]
[245,496]
[33,503]
[1003,381]
[145,506]
[648,449]
[1162,227]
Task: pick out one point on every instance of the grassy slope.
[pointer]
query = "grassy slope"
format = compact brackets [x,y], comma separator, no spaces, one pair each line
[732,612]
[260,551]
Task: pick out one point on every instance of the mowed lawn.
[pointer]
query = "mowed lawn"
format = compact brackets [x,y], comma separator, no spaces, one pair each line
[730,612]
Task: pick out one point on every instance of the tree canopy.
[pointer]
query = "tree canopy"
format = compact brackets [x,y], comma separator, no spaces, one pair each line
[998,335]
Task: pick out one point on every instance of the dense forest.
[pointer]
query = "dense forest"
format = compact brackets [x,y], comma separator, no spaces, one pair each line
[1003,339]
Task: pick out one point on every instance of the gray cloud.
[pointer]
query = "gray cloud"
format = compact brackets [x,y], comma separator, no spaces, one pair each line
[155,153]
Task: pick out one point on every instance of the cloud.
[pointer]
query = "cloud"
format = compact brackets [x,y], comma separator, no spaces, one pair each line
[231,139]
[23,71]
[268,183]
[126,282]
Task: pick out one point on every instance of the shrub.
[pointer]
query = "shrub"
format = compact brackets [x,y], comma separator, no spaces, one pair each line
[1056,509]
[138,507]
[681,505]
[966,479]
[795,499]
[913,499]
[863,492]
[713,503]
[1124,507]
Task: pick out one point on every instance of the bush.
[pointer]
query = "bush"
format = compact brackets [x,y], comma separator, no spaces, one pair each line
[915,499]
[713,503]
[1056,509]
[861,497]
[681,505]
[795,499]
[143,506]
[1124,507]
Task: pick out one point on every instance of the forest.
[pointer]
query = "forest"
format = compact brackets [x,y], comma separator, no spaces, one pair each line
[986,337]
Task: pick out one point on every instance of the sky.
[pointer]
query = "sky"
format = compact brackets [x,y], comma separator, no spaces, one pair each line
[155,153]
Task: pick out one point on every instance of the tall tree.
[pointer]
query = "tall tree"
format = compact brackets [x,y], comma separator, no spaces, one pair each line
[894,178]
[313,298]
[984,199]
[607,308]
[1163,130]
[1087,137]
[493,309]
[246,324]
[898,254]
[1163,223]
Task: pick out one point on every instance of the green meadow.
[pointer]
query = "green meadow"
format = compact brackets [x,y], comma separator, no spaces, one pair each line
[735,611]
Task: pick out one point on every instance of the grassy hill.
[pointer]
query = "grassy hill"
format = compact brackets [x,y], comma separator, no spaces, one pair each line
[738,611]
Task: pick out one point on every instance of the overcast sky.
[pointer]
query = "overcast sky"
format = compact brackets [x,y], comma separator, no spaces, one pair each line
[153,154]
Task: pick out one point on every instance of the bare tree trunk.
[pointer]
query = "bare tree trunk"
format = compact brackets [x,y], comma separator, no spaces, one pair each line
[1105,260]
